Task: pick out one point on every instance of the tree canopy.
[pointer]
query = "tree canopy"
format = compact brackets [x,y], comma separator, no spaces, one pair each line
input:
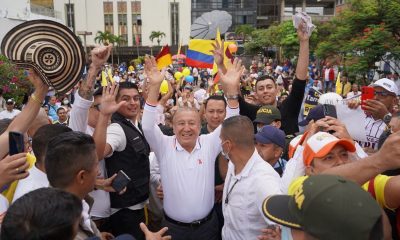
[366,32]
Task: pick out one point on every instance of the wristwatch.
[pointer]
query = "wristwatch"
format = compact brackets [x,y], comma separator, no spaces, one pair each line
[232,97]
[386,119]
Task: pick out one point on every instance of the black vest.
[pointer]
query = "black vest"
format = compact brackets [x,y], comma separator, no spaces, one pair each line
[134,161]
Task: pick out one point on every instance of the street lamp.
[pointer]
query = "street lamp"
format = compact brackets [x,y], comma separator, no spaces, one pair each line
[84,34]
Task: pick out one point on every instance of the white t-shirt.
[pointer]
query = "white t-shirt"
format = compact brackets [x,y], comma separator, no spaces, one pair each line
[10,115]
[351,94]
[327,70]
[36,179]
[200,95]
[373,130]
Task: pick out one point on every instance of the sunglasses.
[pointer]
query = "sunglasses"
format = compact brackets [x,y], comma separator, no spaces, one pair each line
[384,94]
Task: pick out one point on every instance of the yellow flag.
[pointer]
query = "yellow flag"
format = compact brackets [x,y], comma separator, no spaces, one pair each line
[338,85]
[217,39]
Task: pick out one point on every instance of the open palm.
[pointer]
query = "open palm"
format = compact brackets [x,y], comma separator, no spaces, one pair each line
[233,74]
[218,52]
[152,72]
[108,104]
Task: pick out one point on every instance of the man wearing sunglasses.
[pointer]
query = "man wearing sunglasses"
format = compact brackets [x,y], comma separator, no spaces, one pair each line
[379,111]
[10,111]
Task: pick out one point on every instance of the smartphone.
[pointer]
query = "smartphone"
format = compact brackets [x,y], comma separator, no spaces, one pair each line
[366,93]
[16,143]
[330,110]
[121,181]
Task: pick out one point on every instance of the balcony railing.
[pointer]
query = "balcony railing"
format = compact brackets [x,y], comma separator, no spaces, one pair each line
[49,12]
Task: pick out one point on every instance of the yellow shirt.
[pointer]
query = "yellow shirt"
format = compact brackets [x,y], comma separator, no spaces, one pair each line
[9,192]
[379,186]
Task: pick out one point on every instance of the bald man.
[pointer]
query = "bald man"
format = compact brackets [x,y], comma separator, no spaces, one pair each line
[249,178]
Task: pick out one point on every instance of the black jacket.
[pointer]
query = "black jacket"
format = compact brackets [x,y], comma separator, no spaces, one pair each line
[289,109]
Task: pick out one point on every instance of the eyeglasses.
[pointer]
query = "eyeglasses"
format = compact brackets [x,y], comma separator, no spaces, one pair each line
[96,106]
[384,94]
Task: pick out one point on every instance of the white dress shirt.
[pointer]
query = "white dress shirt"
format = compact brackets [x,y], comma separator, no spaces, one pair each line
[79,122]
[247,190]
[36,179]
[3,205]
[187,178]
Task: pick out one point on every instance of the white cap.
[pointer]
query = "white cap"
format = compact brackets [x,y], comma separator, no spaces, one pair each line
[387,84]
[330,98]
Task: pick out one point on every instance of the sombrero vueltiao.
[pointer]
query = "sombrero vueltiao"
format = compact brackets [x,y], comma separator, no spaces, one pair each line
[49,47]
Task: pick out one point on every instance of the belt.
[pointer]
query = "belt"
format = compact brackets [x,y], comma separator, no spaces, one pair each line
[196,223]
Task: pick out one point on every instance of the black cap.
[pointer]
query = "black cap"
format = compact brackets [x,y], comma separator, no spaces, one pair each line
[315,114]
[267,114]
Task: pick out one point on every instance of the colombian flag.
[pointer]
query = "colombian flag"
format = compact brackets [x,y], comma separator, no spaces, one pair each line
[164,58]
[199,55]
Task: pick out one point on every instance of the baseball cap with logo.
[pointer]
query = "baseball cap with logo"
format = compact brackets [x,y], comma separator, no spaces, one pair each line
[321,143]
[327,207]
[387,84]
[316,113]
[267,114]
[270,134]
[294,143]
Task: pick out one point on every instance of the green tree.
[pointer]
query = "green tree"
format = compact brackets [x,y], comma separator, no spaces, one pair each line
[103,37]
[282,36]
[156,35]
[118,40]
[244,31]
[366,32]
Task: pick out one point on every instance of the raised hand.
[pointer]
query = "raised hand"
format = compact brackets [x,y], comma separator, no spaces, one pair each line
[100,55]
[108,105]
[302,33]
[35,79]
[152,72]
[231,79]
[377,109]
[218,53]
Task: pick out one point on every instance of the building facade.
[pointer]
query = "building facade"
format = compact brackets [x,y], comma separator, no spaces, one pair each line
[133,20]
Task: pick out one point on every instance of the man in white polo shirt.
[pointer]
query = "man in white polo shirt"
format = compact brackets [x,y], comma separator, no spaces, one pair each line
[187,160]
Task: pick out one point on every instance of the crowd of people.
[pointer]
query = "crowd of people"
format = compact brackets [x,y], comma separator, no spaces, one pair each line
[234,158]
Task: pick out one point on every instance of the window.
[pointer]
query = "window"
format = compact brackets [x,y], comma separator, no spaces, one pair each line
[122,28]
[174,23]
[70,13]
[136,23]
[108,17]
[137,29]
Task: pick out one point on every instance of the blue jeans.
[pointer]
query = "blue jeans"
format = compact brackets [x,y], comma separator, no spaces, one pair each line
[328,86]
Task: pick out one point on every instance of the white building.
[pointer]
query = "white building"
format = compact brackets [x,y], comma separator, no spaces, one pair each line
[14,12]
[134,20]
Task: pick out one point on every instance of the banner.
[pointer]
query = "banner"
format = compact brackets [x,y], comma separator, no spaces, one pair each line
[311,101]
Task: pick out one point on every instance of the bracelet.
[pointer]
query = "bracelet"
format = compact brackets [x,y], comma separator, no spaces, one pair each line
[34,98]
